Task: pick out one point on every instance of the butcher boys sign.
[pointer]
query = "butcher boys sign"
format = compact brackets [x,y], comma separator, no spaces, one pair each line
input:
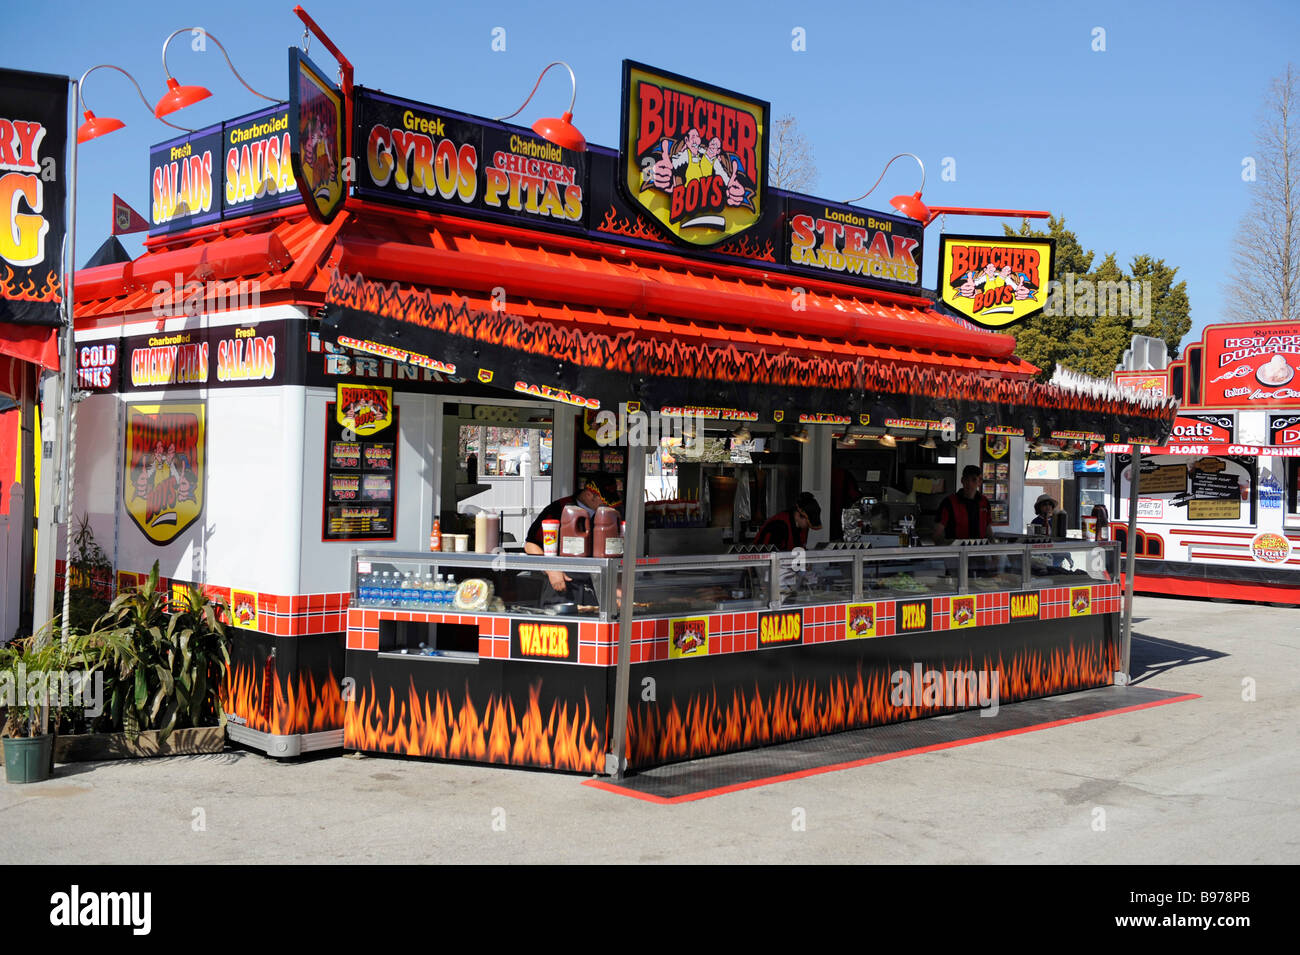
[994,282]
[693,156]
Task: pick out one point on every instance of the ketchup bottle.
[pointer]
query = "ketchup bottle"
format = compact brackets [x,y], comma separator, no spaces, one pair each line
[575,532]
[607,539]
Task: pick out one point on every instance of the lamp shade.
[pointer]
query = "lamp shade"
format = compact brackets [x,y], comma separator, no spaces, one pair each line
[95,126]
[178,97]
[562,132]
[911,206]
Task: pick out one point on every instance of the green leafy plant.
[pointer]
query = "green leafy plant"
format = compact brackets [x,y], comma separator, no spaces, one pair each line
[41,657]
[90,578]
[163,671]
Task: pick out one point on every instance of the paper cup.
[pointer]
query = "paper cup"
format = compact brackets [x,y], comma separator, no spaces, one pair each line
[550,538]
[462,543]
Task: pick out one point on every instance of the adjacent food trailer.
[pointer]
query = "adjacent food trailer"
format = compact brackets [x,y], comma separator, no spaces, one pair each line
[279,396]
[1218,510]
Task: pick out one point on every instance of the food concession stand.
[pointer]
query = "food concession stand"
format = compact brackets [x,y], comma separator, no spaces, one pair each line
[286,448]
[1218,513]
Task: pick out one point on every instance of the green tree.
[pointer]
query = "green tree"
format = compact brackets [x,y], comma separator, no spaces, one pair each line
[1171,312]
[1092,314]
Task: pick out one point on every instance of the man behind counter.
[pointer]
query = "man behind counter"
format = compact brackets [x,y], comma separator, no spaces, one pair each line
[965,514]
[789,529]
[563,588]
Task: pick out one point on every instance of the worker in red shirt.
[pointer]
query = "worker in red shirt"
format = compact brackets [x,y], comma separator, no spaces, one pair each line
[965,514]
[789,529]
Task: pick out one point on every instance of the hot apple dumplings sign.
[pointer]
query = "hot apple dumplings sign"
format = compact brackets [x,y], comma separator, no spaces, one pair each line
[693,156]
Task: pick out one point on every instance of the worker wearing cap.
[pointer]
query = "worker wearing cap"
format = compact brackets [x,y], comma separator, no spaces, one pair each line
[590,497]
[789,529]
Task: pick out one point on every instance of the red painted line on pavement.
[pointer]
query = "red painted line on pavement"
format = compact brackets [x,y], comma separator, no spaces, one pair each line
[854,764]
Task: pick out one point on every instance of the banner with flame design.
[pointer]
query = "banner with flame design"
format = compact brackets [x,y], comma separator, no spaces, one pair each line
[33,190]
[598,369]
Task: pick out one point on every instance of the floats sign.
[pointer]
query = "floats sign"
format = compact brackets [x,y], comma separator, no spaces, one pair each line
[315,115]
[33,140]
[163,468]
[693,157]
[994,282]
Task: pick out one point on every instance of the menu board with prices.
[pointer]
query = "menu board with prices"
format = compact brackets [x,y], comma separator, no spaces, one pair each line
[360,481]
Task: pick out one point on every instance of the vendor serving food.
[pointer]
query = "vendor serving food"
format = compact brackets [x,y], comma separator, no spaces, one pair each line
[559,586]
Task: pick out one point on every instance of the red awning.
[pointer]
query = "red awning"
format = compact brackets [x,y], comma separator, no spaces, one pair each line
[37,344]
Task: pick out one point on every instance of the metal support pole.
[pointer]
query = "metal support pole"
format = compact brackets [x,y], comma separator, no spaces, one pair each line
[616,757]
[1131,548]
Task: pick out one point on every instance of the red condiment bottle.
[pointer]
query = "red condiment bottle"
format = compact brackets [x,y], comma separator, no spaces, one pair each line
[575,532]
[607,538]
[435,535]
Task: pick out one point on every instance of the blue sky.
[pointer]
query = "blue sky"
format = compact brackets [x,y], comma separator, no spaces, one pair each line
[1140,147]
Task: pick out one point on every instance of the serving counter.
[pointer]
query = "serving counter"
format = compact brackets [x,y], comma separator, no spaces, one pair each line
[725,652]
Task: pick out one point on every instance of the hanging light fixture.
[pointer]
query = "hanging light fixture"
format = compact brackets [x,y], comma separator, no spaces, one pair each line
[96,126]
[888,440]
[964,443]
[560,131]
[178,96]
[929,443]
[801,436]
[910,206]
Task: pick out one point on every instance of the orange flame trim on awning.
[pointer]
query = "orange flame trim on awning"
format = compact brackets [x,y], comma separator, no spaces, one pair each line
[630,353]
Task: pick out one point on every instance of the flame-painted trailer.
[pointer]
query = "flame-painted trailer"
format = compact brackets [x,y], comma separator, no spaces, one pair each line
[269,390]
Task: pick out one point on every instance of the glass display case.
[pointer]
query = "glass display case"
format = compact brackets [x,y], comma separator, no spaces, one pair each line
[514,584]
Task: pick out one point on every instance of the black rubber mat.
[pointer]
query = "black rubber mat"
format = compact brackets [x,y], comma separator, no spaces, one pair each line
[701,778]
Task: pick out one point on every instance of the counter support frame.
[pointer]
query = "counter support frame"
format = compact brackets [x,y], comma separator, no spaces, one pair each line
[616,759]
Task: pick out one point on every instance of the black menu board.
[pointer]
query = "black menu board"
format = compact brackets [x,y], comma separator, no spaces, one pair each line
[360,502]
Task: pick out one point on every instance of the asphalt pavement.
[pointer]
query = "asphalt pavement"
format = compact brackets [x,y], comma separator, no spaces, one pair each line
[1215,779]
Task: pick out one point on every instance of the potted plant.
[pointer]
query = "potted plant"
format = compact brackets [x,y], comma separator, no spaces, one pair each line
[25,666]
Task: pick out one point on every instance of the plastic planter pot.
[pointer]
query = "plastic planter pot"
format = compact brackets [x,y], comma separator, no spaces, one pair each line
[28,759]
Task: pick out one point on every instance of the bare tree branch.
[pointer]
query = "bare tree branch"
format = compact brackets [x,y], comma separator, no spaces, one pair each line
[1266,260]
[791,163]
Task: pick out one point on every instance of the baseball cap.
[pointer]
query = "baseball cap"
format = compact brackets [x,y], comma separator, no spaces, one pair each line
[808,504]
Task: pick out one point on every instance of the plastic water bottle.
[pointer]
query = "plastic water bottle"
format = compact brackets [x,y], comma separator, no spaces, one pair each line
[426,592]
[451,592]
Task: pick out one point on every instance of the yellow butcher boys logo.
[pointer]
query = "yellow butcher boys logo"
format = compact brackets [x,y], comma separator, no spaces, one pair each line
[162,480]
